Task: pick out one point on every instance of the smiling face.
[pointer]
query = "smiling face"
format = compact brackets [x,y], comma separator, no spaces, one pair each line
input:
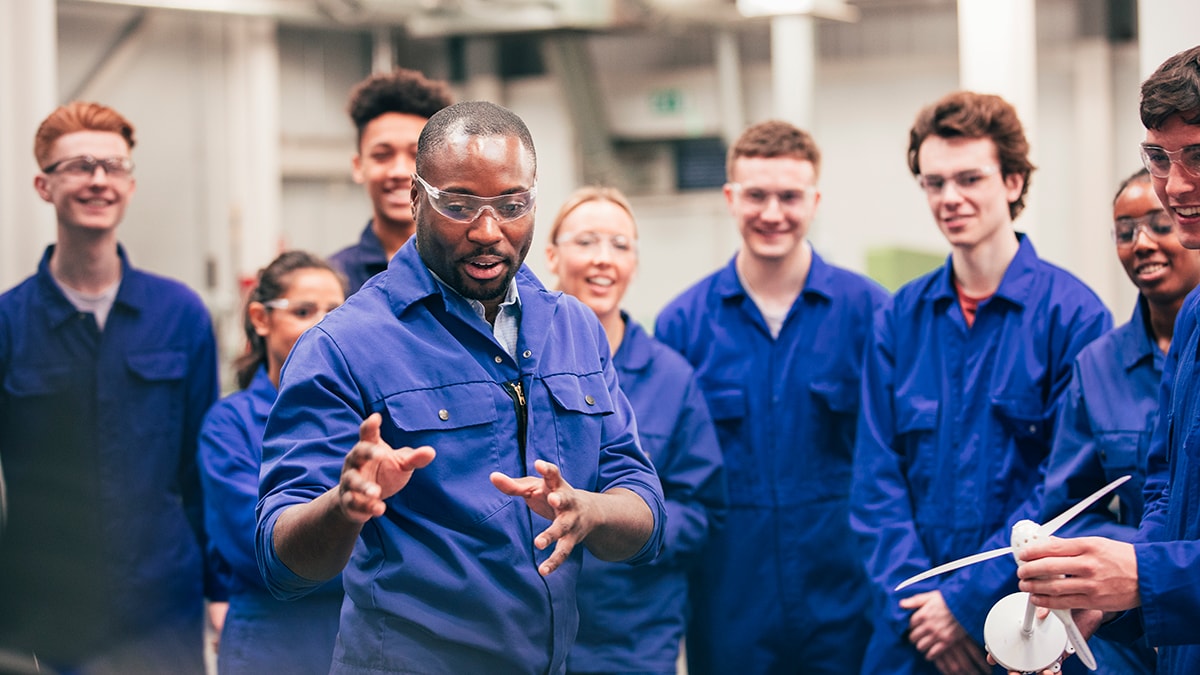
[1179,192]
[972,205]
[384,165]
[480,258]
[594,256]
[773,200]
[311,294]
[87,203]
[1159,265]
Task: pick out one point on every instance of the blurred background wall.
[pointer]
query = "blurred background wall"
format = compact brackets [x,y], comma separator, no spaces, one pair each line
[244,145]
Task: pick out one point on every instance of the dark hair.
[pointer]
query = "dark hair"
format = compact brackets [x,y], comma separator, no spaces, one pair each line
[1173,89]
[272,282]
[967,114]
[78,116]
[400,91]
[774,138]
[474,118]
[1138,176]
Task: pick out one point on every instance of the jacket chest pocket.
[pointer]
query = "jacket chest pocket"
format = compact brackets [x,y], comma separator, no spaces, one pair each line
[156,395]
[461,423]
[1026,421]
[580,404]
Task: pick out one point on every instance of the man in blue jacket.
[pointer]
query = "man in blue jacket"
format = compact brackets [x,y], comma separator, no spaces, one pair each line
[1156,575]
[388,111]
[456,383]
[776,338]
[962,379]
[107,372]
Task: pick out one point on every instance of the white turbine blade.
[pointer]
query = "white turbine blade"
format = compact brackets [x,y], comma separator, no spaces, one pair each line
[1062,518]
[955,564]
[1076,638]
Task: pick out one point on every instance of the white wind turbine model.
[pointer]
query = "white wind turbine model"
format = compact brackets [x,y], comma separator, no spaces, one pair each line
[1015,638]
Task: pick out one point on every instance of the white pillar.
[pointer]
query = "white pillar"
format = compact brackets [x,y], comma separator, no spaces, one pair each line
[254,177]
[997,54]
[793,68]
[729,84]
[1165,27]
[481,55]
[383,50]
[28,92]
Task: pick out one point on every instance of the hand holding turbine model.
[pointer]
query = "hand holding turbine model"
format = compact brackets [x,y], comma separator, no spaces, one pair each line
[1013,634]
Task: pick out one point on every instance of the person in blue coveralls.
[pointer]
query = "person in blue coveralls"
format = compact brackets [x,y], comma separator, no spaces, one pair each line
[388,111]
[107,372]
[963,375]
[454,436]
[1109,409]
[1150,588]
[260,634]
[632,619]
[776,338]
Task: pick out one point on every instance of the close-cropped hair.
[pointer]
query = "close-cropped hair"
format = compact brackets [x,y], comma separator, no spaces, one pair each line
[1173,89]
[78,116]
[472,118]
[590,193]
[771,139]
[403,91]
[272,282]
[1139,176]
[967,114]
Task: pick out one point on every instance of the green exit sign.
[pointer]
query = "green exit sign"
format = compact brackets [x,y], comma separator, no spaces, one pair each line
[666,101]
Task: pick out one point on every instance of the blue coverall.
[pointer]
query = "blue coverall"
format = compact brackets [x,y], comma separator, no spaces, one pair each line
[1104,426]
[361,261]
[631,619]
[955,430]
[1168,540]
[780,588]
[102,557]
[446,580]
[261,634]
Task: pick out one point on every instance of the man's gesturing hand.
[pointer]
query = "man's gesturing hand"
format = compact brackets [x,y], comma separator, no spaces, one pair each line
[552,498]
[374,471]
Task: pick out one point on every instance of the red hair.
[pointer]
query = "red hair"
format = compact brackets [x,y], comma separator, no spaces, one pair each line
[78,116]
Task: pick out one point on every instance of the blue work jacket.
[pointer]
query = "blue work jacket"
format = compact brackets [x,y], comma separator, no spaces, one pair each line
[955,430]
[262,634]
[1168,541]
[446,580]
[781,582]
[98,438]
[631,619]
[361,261]
[1103,432]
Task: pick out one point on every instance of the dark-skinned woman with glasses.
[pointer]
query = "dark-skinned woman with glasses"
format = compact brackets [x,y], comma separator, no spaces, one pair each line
[260,634]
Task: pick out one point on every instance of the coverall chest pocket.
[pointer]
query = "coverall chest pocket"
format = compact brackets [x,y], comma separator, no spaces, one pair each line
[42,396]
[156,398]
[916,424]
[1026,421]
[581,402]
[836,410]
[728,406]
[1122,452]
[459,422]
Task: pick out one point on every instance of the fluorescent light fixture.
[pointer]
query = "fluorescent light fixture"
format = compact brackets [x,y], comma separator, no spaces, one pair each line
[825,9]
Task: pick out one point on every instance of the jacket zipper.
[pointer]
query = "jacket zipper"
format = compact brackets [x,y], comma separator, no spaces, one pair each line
[517,394]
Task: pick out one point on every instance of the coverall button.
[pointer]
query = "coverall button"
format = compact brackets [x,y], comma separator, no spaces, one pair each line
[527,353]
[443,414]
[499,359]
[589,399]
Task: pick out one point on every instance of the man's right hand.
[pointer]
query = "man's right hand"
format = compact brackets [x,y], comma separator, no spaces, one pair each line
[374,471]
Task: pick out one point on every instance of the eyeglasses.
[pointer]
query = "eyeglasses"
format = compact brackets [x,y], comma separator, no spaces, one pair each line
[964,181]
[592,243]
[1158,161]
[303,311]
[464,208]
[84,166]
[759,198]
[1155,224]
